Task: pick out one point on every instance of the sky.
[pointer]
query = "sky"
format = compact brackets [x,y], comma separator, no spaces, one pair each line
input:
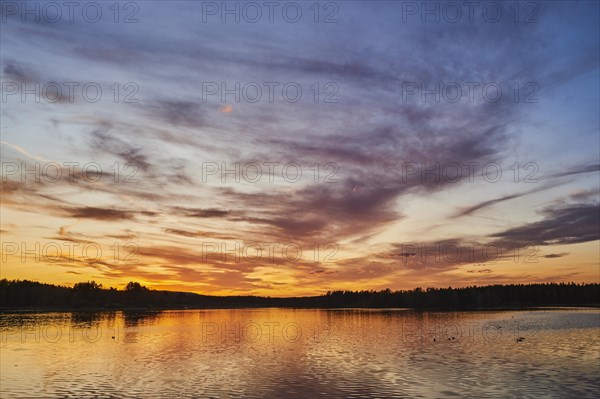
[292,148]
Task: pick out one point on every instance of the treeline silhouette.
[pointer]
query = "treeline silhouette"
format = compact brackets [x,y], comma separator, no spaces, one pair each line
[25,294]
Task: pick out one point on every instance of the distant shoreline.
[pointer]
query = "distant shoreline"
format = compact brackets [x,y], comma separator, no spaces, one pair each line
[32,296]
[152,309]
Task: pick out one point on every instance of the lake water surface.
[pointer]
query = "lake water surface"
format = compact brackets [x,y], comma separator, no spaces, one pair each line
[293,353]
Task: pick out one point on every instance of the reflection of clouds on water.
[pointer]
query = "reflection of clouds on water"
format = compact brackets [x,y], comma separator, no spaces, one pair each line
[335,353]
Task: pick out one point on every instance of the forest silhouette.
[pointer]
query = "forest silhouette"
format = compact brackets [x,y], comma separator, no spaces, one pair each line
[26,294]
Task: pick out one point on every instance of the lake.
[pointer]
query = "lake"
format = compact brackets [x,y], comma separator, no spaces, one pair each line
[301,353]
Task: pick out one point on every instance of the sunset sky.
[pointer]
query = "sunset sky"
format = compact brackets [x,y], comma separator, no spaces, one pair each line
[397,189]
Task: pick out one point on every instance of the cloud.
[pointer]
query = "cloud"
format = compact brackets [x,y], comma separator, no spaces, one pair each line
[19,72]
[178,113]
[30,80]
[370,181]
[579,195]
[570,224]
[486,204]
[199,234]
[107,214]
[102,141]
[577,171]
[369,134]
[202,213]
[480,271]
[554,256]
[585,195]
